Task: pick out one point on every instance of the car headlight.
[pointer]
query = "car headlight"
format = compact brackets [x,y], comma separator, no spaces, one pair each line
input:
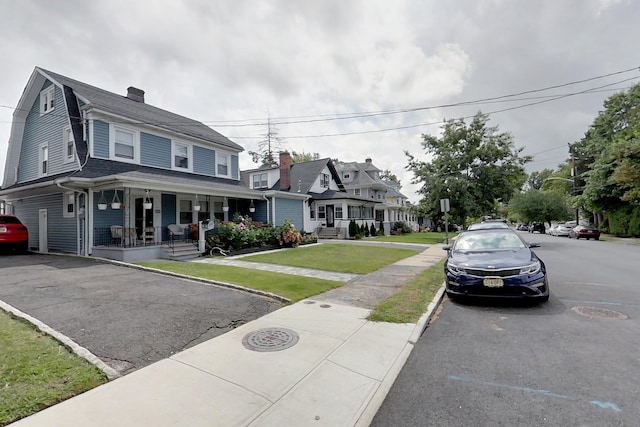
[455,270]
[531,269]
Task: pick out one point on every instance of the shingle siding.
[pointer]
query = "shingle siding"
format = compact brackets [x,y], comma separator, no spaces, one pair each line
[155,150]
[204,161]
[61,232]
[49,129]
[101,139]
[290,209]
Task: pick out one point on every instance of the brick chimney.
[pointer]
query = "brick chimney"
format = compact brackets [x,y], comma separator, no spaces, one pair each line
[285,171]
[135,94]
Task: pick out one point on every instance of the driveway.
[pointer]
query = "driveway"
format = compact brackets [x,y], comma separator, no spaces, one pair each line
[127,317]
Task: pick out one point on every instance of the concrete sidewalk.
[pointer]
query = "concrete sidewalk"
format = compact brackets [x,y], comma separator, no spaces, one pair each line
[315,362]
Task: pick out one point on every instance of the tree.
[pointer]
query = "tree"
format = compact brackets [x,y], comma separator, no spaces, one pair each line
[268,147]
[386,174]
[472,165]
[303,157]
[538,206]
[537,179]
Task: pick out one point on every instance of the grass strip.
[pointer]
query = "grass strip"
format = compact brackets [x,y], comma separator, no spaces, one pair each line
[356,259]
[36,371]
[295,288]
[412,299]
[424,238]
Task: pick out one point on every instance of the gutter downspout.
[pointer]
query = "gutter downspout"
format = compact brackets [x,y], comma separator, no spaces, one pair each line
[266,200]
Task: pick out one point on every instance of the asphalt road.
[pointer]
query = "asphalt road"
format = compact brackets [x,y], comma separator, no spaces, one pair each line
[573,361]
[127,317]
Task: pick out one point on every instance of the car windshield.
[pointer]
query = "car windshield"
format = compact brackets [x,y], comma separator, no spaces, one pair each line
[488,241]
[490,224]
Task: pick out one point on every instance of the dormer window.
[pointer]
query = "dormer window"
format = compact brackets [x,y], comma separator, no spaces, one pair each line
[324,180]
[47,100]
[124,144]
[260,181]
[181,156]
[223,166]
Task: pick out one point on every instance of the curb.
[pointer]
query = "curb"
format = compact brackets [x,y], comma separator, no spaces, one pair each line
[380,394]
[64,340]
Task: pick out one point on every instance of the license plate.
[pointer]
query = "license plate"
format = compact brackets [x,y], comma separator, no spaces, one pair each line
[493,283]
[3,229]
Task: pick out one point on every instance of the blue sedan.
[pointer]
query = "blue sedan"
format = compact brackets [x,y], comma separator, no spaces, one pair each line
[494,263]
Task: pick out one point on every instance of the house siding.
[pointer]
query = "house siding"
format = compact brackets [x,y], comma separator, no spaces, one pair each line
[48,128]
[61,232]
[204,161]
[101,139]
[235,168]
[155,151]
[290,209]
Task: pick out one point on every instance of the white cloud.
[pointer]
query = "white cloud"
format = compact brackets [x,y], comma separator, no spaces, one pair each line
[221,61]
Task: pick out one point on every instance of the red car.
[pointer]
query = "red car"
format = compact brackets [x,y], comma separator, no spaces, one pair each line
[585,231]
[13,234]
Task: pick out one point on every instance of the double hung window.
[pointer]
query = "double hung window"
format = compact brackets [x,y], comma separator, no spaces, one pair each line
[47,100]
[124,144]
[181,156]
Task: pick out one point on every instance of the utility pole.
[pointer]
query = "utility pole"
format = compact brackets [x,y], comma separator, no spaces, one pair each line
[574,175]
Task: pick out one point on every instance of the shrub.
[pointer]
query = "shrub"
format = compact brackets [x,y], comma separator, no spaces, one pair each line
[287,235]
[372,229]
[353,228]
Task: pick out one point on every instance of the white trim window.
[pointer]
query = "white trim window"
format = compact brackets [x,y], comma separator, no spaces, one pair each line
[124,144]
[69,146]
[222,165]
[356,191]
[68,205]
[324,180]
[181,156]
[185,211]
[322,212]
[260,181]
[338,212]
[47,100]
[43,160]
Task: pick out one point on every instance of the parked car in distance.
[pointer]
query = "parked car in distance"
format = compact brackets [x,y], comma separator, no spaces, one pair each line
[560,230]
[487,224]
[522,227]
[13,234]
[537,226]
[494,263]
[585,231]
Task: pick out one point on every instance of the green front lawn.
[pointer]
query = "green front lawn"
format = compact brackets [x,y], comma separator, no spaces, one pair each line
[36,371]
[342,258]
[425,238]
[292,287]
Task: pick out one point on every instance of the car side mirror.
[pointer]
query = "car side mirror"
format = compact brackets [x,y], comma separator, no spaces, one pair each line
[446,248]
[534,245]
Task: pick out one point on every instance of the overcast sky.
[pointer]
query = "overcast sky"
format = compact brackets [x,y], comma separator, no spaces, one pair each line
[237,62]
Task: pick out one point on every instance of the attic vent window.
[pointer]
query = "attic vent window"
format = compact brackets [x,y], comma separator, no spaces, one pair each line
[135,94]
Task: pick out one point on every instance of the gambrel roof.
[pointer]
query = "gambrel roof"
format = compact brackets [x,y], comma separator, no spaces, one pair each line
[140,112]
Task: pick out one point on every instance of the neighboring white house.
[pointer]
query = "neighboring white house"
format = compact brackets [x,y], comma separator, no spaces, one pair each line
[363,180]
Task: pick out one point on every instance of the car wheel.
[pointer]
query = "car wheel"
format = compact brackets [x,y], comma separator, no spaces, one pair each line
[596,238]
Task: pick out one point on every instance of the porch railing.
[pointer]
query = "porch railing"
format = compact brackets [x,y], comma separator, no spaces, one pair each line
[129,237]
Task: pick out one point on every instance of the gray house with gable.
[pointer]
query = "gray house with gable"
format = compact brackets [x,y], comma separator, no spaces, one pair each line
[92,172]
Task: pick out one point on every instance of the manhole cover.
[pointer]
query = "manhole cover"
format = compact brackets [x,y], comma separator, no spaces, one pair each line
[270,339]
[601,313]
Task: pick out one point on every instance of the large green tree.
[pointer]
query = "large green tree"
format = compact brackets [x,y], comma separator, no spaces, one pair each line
[473,165]
[536,205]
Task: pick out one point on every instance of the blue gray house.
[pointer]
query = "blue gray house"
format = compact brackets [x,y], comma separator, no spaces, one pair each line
[92,172]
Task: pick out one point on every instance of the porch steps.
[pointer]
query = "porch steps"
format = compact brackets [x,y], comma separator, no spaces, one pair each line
[182,252]
[329,233]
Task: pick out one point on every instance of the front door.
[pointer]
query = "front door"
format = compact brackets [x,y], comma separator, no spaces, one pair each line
[330,220]
[43,231]
[144,217]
